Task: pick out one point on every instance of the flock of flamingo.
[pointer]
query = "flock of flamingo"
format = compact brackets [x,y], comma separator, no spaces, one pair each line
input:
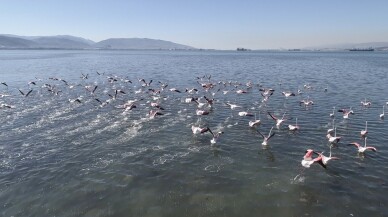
[155,93]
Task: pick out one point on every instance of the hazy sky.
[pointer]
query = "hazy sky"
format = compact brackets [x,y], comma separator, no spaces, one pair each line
[218,24]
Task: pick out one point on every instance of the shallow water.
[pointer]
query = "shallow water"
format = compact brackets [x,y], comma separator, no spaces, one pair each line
[68,159]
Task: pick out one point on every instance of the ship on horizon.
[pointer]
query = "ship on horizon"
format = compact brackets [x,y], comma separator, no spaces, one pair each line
[362,49]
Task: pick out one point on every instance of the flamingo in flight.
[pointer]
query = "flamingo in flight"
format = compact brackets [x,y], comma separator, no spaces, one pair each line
[366,103]
[232,106]
[329,131]
[346,112]
[201,112]
[266,92]
[154,113]
[325,160]
[266,138]
[215,136]
[362,149]
[294,127]
[199,130]
[308,159]
[333,139]
[278,121]
[244,113]
[365,131]
[332,114]
[288,94]
[255,122]
[306,102]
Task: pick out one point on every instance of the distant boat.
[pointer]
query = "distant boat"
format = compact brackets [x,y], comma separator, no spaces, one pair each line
[362,49]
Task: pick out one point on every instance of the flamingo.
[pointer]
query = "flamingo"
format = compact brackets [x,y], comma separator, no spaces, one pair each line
[154,113]
[202,112]
[255,122]
[332,114]
[209,101]
[190,99]
[245,114]
[366,103]
[278,121]
[25,94]
[382,115]
[241,91]
[288,94]
[329,131]
[334,139]
[306,102]
[362,149]
[3,105]
[191,91]
[266,138]
[175,90]
[199,104]
[292,127]
[325,160]
[199,130]
[267,92]
[156,105]
[215,136]
[232,106]
[307,86]
[265,97]
[308,159]
[365,132]
[346,112]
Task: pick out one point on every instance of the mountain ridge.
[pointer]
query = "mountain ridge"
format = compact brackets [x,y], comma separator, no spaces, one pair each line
[9,41]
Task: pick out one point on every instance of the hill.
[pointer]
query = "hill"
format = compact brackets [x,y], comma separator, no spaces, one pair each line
[139,43]
[71,42]
[12,42]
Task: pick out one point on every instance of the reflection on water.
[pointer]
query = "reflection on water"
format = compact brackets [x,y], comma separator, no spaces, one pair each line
[59,158]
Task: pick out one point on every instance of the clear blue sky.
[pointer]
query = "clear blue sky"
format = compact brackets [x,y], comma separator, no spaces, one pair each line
[219,24]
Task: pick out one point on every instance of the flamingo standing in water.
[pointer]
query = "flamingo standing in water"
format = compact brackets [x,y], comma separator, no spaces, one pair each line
[266,138]
[362,149]
[365,132]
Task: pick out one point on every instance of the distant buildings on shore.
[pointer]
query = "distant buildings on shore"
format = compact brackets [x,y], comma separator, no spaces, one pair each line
[243,49]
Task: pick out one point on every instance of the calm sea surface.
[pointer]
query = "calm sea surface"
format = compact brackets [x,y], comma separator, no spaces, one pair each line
[62,158]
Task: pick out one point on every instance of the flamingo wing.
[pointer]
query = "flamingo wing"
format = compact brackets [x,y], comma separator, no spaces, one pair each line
[273,117]
[261,134]
[271,136]
[355,144]
[371,148]
[319,160]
